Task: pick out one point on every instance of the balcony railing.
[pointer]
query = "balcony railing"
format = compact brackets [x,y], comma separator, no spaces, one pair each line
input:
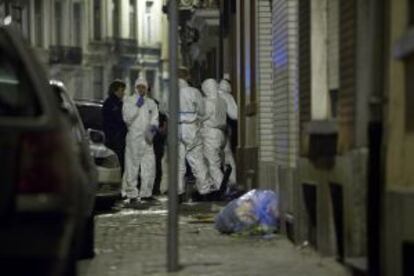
[198,4]
[149,51]
[65,55]
[206,4]
[126,46]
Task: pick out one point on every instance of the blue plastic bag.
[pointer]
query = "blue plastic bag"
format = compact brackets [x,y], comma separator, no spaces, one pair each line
[257,211]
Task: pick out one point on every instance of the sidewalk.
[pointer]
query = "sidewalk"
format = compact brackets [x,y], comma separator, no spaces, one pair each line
[132,242]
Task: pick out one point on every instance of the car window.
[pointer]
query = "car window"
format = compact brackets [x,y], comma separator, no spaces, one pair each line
[16,97]
[91,116]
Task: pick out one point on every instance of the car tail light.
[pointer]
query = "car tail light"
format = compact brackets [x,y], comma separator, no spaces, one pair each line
[43,163]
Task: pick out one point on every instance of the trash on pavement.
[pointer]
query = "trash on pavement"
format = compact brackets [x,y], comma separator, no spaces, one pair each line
[202,218]
[255,212]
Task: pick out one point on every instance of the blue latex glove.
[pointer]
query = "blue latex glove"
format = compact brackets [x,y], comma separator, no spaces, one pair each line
[150,133]
[140,101]
[154,129]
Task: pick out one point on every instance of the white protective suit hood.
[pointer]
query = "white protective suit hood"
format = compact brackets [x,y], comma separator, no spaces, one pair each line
[210,88]
[140,81]
[225,86]
[225,94]
[182,84]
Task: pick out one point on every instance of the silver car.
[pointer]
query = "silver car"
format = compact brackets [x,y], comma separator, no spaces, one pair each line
[106,160]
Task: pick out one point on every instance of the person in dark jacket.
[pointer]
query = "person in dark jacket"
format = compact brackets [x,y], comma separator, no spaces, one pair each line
[113,124]
[159,148]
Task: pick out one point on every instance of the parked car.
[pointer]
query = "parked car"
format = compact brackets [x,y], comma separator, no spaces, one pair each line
[91,113]
[79,135]
[106,160]
[82,151]
[45,198]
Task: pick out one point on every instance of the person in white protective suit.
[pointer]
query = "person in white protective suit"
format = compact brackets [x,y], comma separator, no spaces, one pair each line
[140,114]
[190,140]
[213,130]
[225,93]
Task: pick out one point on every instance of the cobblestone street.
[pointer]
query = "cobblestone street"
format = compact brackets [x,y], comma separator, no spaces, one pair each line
[132,242]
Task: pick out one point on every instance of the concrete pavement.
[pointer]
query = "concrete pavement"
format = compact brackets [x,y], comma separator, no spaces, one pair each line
[132,242]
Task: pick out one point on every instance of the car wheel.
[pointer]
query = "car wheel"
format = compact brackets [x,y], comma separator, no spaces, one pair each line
[87,250]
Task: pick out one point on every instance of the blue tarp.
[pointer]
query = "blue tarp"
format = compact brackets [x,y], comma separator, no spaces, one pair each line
[255,210]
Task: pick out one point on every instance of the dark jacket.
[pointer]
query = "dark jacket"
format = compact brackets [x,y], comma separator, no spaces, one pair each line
[113,124]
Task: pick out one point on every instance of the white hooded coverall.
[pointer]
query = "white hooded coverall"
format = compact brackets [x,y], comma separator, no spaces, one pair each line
[190,141]
[139,154]
[232,113]
[214,125]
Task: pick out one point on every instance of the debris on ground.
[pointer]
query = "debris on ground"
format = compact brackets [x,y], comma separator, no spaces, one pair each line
[202,218]
[255,213]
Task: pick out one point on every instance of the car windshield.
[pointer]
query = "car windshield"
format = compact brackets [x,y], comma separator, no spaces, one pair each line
[16,98]
[91,116]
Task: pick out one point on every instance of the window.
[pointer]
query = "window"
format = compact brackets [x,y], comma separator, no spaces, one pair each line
[97,32]
[116,72]
[16,99]
[149,29]
[98,82]
[58,23]
[333,56]
[115,18]
[20,16]
[411,13]
[77,21]
[133,75]
[17,15]
[148,11]
[150,76]
[3,9]
[132,19]
[91,115]
[38,23]
[148,6]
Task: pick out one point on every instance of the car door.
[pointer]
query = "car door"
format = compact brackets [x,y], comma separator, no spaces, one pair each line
[83,138]
[81,149]
[24,107]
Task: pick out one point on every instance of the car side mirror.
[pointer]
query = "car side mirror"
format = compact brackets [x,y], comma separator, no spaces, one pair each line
[96,136]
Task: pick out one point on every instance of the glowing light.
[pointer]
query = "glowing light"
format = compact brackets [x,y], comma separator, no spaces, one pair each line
[7,20]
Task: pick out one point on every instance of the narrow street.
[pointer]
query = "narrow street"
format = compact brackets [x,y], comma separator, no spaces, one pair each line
[132,242]
[304,107]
